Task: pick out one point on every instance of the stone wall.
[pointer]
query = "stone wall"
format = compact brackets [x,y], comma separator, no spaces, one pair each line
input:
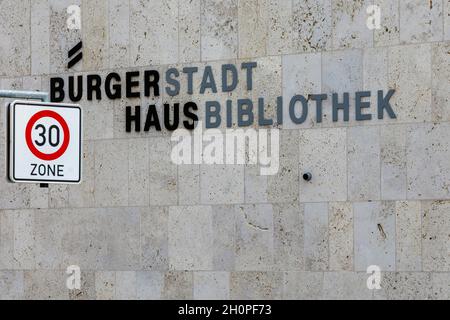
[141,227]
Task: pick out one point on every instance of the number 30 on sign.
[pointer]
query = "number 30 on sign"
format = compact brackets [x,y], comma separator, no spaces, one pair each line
[45,142]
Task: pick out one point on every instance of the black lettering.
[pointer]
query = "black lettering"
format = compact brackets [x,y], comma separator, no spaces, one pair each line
[94,83]
[341,106]
[176,116]
[57,89]
[130,118]
[116,92]
[60,169]
[152,119]
[132,84]
[384,104]
[190,115]
[33,171]
[51,170]
[72,95]
[151,81]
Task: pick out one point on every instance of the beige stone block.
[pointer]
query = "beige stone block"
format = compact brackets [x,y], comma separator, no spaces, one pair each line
[323,153]
[341,239]
[421,21]
[256,285]
[254,238]
[212,285]
[190,234]
[435,230]
[408,233]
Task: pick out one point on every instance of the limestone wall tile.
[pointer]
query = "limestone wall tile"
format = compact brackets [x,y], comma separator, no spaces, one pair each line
[393,162]
[126,283]
[440,84]
[82,195]
[323,153]
[405,286]
[349,24]
[221,184]
[342,71]
[212,285]
[163,173]
[255,185]
[374,235]
[178,285]
[254,238]
[421,21]
[252,24]
[58,196]
[446,20]
[17,246]
[341,240]
[301,76]
[96,238]
[87,287]
[154,238]
[435,232]
[410,76]
[12,285]
[119,33]
[267,83]
[15,52]
[280,34]
[408,233]
[346,285]
[427,161]
[312,21]
[256,285]
[98,115]
[45,285]
[189,31]
[149,285]
[219,29]
[224,239]
[363,163]
[158,42]
[111,173]
[62,39]
[303,285]
[288,236]
[138,172]
[283,187]
[105,285]
[190,234]
[441,286]
[316,249]
[376,77]
[389,32]
[40,37]
[95,31]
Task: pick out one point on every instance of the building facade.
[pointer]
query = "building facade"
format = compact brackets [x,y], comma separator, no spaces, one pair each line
[141,227]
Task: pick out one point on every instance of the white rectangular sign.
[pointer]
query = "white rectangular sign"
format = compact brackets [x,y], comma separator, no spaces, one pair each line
[45,142]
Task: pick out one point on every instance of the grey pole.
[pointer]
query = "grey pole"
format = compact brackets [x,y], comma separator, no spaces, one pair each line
[36,95]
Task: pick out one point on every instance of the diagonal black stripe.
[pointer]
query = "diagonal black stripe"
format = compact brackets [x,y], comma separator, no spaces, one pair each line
[76,48]
[75,60]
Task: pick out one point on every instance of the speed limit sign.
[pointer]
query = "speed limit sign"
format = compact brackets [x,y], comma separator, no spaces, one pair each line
[44,142]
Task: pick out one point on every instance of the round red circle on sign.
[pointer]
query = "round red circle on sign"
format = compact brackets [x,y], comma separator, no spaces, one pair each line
[47,156]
